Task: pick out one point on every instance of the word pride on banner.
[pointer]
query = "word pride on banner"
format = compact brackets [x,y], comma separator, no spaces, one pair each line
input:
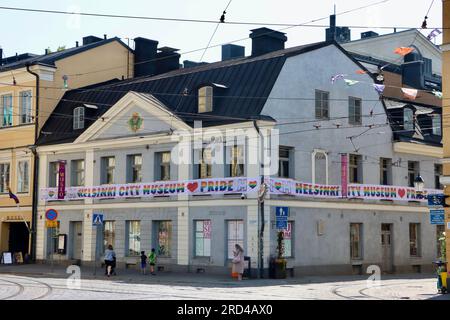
[155,189]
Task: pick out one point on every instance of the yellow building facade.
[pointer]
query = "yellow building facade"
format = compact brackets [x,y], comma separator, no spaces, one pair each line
[446,114]
[95,62]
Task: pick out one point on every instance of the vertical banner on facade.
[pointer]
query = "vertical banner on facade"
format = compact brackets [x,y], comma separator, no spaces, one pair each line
[344,178]
[62,180]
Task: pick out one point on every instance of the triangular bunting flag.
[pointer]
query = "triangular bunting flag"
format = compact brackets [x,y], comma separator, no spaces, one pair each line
[437,94]
[379,88]
[410,93]
[350,82]
[337,77]
[361,71]
[403,51]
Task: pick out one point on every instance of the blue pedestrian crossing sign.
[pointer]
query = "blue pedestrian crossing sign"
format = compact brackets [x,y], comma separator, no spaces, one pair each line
[282,212]
[97,219]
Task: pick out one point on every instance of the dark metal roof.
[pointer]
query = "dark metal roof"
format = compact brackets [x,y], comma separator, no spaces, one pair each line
[49,59]
[246,84]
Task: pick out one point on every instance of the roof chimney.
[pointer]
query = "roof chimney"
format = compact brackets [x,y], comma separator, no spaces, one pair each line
[144,57]
[232,51]
[1,56]
[77,44]
[91,39]
[167,59]
[265,40]
[368,34]
[105,36]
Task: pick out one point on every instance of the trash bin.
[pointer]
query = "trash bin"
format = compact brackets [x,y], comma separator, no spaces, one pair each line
[247,268]
[442,276]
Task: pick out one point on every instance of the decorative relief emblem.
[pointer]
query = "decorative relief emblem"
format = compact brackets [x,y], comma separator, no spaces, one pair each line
[135,122]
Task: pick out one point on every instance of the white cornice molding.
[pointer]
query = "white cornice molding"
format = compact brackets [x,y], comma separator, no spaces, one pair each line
[419,149]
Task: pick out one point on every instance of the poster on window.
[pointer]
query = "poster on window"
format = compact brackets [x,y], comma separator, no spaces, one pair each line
[207,229]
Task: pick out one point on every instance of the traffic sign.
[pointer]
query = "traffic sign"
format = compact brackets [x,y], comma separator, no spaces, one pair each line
[51,223]
[436,200]
[97,219]
[282,212]
[51,214]
[282,224]
[437,216]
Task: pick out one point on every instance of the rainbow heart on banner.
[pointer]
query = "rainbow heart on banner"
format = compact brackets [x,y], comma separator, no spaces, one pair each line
[278,185]
[401,192]
[252,184]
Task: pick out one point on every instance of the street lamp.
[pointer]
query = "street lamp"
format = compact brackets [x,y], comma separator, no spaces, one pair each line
[419,184]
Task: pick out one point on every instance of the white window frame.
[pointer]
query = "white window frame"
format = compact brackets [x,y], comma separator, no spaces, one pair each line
[239,223]
[313,162]
[26,178]
[78,118]
[408,119]
[352,117]
[75,171]
[51,173]
[2,122]
[200,234]
[436,127]
[105,167]
[25,111]
[205,99]
[3,183]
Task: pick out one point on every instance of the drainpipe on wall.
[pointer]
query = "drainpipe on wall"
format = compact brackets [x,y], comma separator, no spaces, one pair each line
[35,168]
[261,211]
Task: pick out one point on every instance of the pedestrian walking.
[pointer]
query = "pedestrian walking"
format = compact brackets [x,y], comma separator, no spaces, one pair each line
[110,257]
[143,262]
[238,261]
[152,261]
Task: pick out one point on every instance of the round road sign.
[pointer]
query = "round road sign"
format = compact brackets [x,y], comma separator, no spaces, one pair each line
[51,214]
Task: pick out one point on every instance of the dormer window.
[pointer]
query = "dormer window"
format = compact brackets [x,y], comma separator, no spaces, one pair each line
[205,99]
[78,118]
[436,124]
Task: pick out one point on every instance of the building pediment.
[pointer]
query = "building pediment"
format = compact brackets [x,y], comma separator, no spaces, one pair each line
[136,114]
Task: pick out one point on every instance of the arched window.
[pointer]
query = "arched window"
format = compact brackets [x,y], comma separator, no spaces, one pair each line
[319,160]
[205,99]
[78,118]
[408,119]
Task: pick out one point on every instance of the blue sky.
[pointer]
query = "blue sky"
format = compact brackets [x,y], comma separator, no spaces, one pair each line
[33,32]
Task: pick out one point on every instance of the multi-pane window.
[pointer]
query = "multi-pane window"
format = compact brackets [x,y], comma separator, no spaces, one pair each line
[322,104]
[287,240]
[7,110]
[108,167]
[408,119]
[134,163]
[205,99]
[109,234]
[77,167]
[134,238]
[414,239]
[237,161]
[203,238]
[283,162]
[356,241]
[53,174]
[436,123]
[437,176]
[413,172]
[78,118]
[354,110]
[162,166]
[355,168]
[4,177]
[235,236]
[23,176]
[25,107]
[164,238]
[205,165]
[385,171]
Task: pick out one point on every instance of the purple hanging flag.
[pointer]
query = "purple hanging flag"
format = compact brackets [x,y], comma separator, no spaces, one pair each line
[337,77]
[434,34]
[379,88]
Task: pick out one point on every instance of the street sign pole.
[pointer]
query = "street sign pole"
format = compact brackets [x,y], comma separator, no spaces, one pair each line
[95,250]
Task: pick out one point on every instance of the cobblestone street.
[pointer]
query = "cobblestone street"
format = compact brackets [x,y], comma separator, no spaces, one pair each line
[31,283]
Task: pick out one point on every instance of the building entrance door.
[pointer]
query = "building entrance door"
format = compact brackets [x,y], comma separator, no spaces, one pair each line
[386,247]
[18,237]
[77,240]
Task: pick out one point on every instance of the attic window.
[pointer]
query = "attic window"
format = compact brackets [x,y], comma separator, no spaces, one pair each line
[408,119]
[78,118]
[205,99]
